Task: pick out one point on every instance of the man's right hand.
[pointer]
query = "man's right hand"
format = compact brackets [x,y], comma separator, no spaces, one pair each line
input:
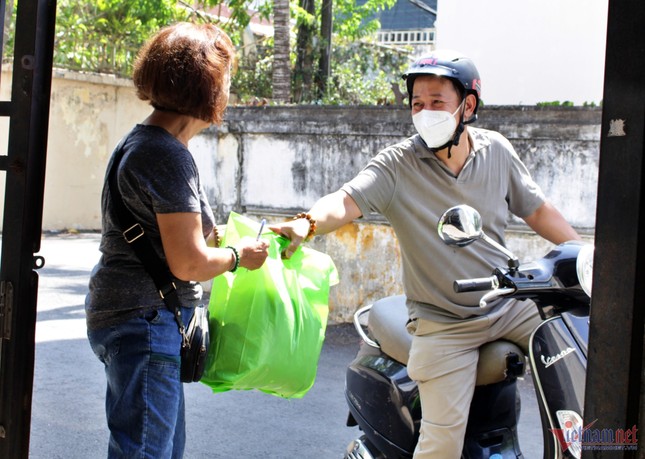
[294,230]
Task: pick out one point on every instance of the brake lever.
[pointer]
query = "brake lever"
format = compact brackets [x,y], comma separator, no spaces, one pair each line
[493,295]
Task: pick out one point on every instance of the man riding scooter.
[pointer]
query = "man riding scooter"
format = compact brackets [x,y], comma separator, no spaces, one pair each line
[411,183]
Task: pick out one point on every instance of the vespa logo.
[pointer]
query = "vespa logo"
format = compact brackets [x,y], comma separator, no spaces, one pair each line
[548,361]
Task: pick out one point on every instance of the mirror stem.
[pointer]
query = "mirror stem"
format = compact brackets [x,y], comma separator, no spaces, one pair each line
[513,261]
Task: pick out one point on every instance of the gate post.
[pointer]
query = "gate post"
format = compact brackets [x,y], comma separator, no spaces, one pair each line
[615,378]
[28,113]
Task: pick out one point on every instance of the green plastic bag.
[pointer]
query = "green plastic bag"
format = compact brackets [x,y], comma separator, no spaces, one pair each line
[268,325]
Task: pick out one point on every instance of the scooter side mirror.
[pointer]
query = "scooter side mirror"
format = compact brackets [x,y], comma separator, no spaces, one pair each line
[460,226]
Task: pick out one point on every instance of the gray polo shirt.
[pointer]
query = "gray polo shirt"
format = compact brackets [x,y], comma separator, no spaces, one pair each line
[411,187]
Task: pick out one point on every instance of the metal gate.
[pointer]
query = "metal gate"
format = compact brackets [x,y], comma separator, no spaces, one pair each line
[27,113]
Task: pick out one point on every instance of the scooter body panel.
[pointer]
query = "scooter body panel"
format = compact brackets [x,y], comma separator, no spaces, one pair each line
[559,367]
[384,402]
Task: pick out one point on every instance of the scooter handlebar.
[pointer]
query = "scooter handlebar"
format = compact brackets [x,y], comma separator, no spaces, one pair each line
[475,285]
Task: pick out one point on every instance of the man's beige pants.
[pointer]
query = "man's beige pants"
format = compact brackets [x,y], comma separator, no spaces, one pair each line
[443,362]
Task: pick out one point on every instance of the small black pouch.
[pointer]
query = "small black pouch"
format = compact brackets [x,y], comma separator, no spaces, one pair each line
[193,355]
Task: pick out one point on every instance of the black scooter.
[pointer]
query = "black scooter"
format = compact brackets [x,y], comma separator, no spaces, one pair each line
[384,402]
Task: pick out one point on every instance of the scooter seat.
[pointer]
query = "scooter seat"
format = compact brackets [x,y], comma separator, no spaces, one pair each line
[386,324]
[498,360]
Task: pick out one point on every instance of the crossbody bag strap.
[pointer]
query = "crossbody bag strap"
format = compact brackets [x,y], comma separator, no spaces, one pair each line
[136,237]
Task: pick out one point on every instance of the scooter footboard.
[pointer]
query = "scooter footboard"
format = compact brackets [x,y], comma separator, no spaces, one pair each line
[492,424]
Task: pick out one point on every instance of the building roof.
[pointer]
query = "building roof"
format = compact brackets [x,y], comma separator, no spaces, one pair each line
[409,14]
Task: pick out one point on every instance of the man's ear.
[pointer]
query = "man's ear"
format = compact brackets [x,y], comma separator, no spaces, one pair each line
[470,106]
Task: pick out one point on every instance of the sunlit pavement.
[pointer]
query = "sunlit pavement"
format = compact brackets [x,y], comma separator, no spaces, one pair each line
[68,413]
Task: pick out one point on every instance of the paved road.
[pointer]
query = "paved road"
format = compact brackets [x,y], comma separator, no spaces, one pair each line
[67,414]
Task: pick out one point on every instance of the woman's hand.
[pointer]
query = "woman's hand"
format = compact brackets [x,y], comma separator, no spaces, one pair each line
[190,259]
[252,252]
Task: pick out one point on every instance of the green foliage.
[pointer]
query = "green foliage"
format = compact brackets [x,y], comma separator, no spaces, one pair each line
[567,103]
[555,103]
[9,35]
[590,104]
[363,73]
[105,35]
[252,80]
[354,21]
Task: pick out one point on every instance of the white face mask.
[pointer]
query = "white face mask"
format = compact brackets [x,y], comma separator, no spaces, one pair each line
[436,127]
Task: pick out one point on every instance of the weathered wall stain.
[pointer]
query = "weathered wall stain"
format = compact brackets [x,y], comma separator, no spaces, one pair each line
[368,260]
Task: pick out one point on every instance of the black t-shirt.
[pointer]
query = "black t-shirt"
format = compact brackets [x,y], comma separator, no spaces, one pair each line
[157,175]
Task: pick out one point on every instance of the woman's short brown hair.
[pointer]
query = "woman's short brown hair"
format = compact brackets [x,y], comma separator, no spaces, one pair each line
[185,68]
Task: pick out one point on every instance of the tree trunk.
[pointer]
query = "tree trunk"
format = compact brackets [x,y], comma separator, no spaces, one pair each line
[326,27]
[281,77]
[303,74]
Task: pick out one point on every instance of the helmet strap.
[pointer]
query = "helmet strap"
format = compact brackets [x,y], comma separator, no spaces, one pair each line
[436,149]
[456,136]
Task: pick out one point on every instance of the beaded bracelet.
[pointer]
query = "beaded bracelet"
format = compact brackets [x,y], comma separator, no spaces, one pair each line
[216,238]
[237,258]
[312,223]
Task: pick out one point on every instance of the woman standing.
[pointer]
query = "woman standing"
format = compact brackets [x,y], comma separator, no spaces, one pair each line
[184,72]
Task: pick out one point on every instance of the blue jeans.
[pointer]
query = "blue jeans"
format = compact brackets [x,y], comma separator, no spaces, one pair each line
[145,398]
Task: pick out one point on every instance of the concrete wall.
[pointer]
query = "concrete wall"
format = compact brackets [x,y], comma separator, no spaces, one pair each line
[283,159]
[274,161]
[89,114]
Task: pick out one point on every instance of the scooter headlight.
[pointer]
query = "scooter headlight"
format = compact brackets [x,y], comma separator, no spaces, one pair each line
[569,435]
[584,267]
